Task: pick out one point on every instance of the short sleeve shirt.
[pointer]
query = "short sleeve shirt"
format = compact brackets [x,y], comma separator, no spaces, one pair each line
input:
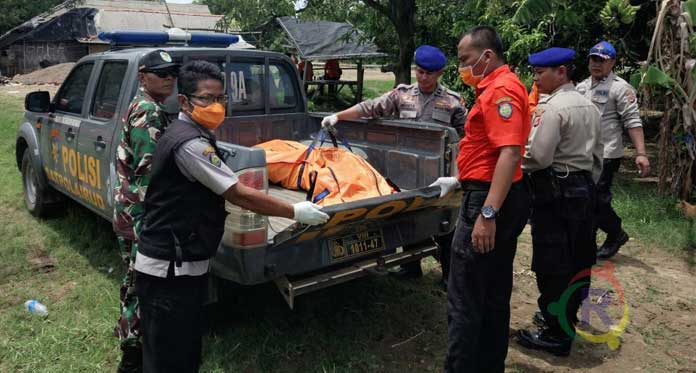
[500,117]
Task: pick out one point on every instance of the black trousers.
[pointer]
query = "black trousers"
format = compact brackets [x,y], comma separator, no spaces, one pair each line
[480,285]
[607,219]
[564,248]
[552,293]
[171,321]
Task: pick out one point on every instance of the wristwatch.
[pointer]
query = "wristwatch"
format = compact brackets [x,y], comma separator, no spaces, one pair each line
[488,212]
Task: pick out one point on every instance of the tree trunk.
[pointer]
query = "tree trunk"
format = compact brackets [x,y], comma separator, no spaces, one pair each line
[402,14]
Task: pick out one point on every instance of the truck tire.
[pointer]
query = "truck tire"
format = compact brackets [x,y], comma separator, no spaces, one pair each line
[36,198]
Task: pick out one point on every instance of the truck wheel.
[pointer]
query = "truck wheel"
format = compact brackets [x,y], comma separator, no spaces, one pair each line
[36,198]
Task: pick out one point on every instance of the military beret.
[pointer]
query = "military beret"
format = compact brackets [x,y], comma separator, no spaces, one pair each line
[552,57]
[157,60]
[429,58]
[603,49]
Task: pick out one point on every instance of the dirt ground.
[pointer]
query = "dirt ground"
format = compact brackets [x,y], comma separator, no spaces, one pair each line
[661,331]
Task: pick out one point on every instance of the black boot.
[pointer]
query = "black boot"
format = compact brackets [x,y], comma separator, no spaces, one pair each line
[539,319]
[543,340]
[131,360]
[612,245]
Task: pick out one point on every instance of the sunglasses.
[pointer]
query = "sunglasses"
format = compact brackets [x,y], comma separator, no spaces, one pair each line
[163,73]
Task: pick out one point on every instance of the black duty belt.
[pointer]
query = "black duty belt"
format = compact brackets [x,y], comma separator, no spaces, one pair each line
[484,186]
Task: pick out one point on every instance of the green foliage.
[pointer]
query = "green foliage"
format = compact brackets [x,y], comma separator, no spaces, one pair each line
[657,78]
[690,7]
[530,10]
[256,15]
[15,12]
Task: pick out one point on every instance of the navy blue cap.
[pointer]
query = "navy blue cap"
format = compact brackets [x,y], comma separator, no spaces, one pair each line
[603,49]
[429,58]
[552,57]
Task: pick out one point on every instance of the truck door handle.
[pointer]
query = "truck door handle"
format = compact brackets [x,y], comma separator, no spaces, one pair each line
[100,144]
[69,134]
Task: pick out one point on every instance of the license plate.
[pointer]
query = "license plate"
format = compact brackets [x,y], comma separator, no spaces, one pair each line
[356,244]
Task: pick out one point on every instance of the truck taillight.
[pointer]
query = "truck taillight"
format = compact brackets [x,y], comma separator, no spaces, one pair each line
[244,228]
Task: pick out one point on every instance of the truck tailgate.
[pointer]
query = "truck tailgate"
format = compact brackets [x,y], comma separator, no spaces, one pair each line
[355,231]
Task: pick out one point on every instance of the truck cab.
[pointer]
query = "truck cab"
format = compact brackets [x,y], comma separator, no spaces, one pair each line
[66,149]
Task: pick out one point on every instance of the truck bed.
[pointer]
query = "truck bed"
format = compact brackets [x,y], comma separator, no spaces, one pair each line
[278,224]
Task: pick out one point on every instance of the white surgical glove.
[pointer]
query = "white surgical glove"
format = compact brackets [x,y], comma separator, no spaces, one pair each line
[329,123]
[308,213]
[446,184]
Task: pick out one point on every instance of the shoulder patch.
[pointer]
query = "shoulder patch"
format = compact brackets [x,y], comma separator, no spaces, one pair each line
[630,97]
[505,109]
[209,153]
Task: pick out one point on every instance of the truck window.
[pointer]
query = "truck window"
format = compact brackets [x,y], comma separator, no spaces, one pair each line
[246,86]
[109,89]
[283,95]
[72,93]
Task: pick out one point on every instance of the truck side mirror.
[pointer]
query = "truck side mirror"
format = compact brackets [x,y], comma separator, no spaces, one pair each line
[38,102]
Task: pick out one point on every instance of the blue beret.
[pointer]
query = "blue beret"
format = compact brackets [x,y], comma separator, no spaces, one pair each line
[430,58]
[552,57]
[603,49]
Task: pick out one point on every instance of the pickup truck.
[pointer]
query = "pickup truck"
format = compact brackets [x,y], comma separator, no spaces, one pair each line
[66,145]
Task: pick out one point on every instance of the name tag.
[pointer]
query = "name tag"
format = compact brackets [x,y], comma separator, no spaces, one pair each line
[442,115]
[408,114]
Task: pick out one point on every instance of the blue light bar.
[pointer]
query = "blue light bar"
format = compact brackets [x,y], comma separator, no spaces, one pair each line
[212,38]
[162,37]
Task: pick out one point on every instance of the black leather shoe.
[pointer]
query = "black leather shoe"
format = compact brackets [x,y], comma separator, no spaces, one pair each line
[612,245]
[131,360]
[544,341]
[539,319]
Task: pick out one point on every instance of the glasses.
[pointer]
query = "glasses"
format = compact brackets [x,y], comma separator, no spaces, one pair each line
[209,99]
[163,73]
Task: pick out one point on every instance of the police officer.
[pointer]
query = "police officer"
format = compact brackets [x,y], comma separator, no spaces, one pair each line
[143,125]
[425,101]
[495,207]
[563,154]
[617,102]
[184,222]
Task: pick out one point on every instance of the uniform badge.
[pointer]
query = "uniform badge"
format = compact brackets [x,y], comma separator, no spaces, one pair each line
[209,153]
[630,97]
[166,57]
[505,110]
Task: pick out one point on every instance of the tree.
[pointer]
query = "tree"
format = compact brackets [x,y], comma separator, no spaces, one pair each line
[15,12]
[254,15]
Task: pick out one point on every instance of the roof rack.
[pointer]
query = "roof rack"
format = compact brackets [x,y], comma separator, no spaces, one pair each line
[174,36]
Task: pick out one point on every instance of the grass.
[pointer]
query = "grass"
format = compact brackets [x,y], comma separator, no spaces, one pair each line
[371,89]
[353,327]
[651,218]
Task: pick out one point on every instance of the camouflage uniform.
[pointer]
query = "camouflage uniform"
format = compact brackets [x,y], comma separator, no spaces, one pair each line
[142,128]
[443,106]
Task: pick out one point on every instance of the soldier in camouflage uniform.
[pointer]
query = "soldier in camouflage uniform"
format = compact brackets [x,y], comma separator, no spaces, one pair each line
[142,128]
[426,101]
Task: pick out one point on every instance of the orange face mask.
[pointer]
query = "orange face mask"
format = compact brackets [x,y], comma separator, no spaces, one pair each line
[466,74]
[210,117]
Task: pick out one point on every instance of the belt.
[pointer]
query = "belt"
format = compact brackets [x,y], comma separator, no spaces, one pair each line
[478,186]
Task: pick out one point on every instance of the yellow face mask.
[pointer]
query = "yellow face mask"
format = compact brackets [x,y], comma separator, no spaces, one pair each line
[466,73]
[210,117]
